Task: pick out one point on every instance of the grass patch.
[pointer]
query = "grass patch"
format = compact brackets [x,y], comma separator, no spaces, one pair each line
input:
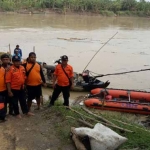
[1,53]
[132,13]
[139,139]
[107,13]
[7,5]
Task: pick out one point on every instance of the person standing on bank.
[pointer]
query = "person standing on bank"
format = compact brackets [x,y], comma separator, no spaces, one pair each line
[5,60]
[34,81]
[62,81]
[16,53]
[15,80]
[18,50]
[3,92]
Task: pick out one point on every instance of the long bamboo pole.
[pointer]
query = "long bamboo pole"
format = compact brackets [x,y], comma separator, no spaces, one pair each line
[131,125]
[82,121]
[9,50]
[34,49]
[99,117]
[99,50]
[110,125]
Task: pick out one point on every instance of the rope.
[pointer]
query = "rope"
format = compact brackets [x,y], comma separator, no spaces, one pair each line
[134,90]
[102,75]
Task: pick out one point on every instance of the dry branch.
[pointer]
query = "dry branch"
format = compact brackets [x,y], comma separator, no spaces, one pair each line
[82,121]
[114,126]
[85,123]
[130,125]
[99,117]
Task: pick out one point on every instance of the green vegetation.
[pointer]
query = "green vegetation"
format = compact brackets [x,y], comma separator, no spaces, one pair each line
[4,53]
[140,139]
[1,53]
[104,7]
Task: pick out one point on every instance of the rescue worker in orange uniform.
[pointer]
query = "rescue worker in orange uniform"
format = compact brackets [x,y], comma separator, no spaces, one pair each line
[34,81]
[2,93]
[62,81]
[5,65]
[15,80]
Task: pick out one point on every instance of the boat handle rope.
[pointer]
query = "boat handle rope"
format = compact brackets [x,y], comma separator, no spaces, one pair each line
[120,73]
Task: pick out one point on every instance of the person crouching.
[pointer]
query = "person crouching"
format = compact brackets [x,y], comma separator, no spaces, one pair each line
[15,79]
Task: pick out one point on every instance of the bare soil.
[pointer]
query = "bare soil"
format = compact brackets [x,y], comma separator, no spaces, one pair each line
[32,133]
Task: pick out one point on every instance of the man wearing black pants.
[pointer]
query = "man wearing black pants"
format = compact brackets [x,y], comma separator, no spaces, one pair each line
[5,59]
[66,94]
[15,79]
[62,81]
[19,95]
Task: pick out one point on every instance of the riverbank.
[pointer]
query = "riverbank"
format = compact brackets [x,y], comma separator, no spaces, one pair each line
[89,13]
[50,128]
[102,7]
[88,7]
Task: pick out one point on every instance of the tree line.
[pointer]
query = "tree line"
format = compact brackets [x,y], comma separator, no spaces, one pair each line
[95,6]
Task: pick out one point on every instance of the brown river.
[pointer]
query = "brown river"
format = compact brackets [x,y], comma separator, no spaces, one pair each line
[80,37]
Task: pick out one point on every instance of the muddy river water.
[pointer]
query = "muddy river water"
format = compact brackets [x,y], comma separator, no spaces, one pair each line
[80,37]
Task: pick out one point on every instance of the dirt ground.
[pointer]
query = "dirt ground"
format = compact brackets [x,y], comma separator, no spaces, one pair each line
[36,132]
[32,133]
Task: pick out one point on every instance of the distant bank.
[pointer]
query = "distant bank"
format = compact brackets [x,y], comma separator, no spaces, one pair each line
[92,7]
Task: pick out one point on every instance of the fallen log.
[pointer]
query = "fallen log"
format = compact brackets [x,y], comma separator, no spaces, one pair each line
[76,140]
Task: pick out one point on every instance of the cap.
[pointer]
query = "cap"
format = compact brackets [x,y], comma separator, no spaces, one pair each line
[16,58]
[64,57]
[4,56]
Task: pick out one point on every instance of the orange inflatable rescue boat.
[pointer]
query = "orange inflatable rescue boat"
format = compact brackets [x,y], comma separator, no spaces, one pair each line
[116,93]
[119,100]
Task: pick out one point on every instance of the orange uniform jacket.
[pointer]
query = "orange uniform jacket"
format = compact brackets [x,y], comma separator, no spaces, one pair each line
[62,79]
[35,76]
[16,77]
[2,79]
